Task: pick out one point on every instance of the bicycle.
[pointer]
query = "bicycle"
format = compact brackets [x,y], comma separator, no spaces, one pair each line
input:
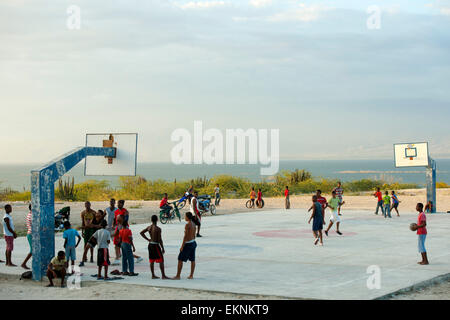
[166,216]
[259,204]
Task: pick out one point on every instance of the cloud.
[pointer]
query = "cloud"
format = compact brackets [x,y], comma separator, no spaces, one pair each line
[302,12]
[201,4]
[260,3]
[443,6]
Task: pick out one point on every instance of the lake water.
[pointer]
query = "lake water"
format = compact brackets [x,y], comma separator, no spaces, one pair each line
[17,177]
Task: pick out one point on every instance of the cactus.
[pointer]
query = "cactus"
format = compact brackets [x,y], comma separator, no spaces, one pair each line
[66,189]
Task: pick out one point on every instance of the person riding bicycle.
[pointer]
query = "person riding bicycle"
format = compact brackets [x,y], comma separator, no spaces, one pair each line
[164,204]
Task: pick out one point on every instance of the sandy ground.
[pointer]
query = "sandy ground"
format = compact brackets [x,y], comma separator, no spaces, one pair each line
[12,288]
[141,211]
[439,291]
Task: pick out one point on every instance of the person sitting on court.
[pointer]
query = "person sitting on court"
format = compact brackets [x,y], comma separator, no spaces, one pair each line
[57,268]
[164,205]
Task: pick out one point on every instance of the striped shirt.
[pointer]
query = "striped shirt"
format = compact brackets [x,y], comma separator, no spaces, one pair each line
[339,191]
[29,220]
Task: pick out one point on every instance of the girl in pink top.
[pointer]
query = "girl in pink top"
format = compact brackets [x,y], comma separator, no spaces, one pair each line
[422,233]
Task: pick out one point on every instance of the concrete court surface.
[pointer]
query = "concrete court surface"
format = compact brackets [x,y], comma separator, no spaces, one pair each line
[272,253]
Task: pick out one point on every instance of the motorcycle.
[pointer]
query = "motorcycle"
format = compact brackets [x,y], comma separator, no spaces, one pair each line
[61,216]
[166,215]
[205,205]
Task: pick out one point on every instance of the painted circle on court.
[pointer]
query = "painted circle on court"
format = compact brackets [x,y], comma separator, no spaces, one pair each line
[298,233]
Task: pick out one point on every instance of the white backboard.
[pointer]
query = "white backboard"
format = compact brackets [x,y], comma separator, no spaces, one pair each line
[124,164]
[411,155]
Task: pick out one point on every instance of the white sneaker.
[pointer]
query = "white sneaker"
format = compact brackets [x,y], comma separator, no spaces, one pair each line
[139,259]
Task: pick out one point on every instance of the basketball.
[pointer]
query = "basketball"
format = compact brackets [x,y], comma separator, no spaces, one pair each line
[413,226]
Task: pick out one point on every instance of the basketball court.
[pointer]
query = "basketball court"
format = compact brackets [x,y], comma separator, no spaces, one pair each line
[272,253]
[259,252]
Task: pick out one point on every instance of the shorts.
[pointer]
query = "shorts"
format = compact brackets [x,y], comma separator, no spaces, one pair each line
[317,224]
[421,243]
[197,220]
[341,201]
[395,206]
[103,257]
[188,252]
[71,254]
[155,253]
[335,217]
[30,242]
[9,243]
[88,233]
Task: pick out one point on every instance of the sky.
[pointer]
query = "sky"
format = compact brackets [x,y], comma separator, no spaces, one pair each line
[312,69]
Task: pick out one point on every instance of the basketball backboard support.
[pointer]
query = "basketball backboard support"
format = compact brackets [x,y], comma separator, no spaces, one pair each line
[417,155]
[411,155]
[123,164]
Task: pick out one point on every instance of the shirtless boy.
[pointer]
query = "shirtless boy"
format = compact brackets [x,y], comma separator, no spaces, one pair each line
[87,216]
[155,247]
[187,250]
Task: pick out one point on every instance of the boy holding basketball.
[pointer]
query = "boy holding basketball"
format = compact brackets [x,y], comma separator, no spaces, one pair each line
[422,233]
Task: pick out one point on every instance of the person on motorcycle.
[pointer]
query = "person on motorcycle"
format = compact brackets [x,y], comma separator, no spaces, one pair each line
[164,204]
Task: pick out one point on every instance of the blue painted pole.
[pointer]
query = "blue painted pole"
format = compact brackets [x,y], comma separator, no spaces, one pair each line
[431,184]
[43,203]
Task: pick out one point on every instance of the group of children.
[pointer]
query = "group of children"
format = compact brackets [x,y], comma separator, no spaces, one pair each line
[387,203]
[115,227]
[320,204]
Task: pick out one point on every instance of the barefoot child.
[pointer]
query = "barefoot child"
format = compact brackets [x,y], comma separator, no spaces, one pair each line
[322,201]
[317,221]
[422,233]
[155,247]
[70,245]
[29,220]
[187,250]
[334,205]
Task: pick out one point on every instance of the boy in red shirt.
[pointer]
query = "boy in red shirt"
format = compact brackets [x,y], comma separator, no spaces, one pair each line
[422,233]
[127,246]
[164,205]
[380,203]
[287,203]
